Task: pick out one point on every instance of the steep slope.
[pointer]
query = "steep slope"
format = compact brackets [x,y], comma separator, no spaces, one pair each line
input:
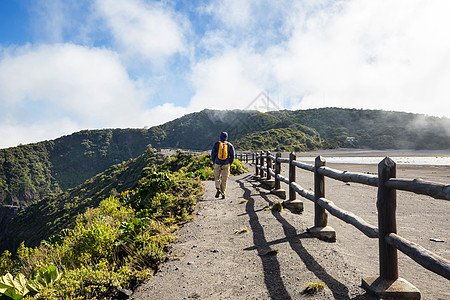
[28,172]
[55,212]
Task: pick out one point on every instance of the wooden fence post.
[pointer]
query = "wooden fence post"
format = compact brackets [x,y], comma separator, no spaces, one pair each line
[277,171]
[387,223]
[294,205]
[253,158]
[292,193]
[268,182]
[261,162]
[388,284]
[277,189]
[256,164]
[321,228]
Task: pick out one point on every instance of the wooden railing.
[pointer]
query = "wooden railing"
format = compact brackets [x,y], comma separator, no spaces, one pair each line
[388,283]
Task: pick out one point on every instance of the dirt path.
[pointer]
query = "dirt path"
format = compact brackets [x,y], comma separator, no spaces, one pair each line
[215,260]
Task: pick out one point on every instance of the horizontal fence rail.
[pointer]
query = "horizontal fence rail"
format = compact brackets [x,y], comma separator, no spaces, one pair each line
[386,232]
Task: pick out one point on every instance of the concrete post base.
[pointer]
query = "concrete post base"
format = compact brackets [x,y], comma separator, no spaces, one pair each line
[270,184]
[326,233]
[294,206]
[280,193]
[398,289]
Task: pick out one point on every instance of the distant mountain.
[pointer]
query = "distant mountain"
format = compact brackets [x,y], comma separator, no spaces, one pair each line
[30,172]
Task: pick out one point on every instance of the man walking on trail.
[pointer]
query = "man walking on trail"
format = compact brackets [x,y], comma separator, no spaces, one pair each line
[222,155]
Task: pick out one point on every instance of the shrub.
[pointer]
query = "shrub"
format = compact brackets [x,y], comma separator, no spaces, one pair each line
[237,168]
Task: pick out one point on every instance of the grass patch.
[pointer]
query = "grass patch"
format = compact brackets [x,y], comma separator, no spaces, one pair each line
[242,230]
[272,252]
[277,206]
[243,201]
[313,288]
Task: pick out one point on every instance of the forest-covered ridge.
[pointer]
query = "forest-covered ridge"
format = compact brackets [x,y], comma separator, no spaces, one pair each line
[30,172]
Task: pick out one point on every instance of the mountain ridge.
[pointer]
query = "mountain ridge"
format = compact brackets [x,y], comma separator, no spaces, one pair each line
[30,172]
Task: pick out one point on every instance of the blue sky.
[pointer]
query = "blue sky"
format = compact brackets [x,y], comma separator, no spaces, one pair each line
[67,65]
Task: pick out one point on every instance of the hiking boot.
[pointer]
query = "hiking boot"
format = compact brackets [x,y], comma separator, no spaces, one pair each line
[223,196]
[217,193]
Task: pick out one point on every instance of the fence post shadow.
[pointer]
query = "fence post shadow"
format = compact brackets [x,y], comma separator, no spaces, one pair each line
[271,266]
[388,284]
[338,289]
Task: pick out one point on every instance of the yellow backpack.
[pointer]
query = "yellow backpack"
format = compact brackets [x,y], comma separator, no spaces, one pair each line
[223,150]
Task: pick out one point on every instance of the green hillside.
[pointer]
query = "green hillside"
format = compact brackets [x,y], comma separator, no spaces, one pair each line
[106,235]
[57,211]
[30,172]
[295,138]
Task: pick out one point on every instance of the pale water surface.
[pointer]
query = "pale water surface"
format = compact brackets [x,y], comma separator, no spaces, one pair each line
[408,160]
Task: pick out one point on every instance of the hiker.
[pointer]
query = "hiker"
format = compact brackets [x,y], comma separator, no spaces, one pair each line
[222,155]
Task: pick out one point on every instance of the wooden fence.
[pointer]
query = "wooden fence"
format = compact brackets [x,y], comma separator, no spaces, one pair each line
[388,283]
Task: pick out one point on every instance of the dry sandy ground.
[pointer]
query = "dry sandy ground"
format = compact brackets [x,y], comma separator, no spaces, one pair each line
[214,260]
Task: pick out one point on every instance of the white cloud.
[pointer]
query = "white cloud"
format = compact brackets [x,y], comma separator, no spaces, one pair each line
[232,13]
[161,114]
[50,90]
[357,54]
[13,134]
[380,54]
[88,84]
[228,81]
[145,29]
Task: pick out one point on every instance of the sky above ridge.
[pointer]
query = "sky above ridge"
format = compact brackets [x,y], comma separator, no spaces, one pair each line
[68,65]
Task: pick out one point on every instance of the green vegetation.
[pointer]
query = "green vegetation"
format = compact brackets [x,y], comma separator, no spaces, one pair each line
[272,252]
[110,244]
[242,230]
[198,166]
[15,288]
[237,168]
[32,172]
[96,215]
[277,206]
[374,129]
[294,138]
[55,212]
[313,288]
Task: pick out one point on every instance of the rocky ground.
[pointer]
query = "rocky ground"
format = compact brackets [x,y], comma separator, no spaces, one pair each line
[238,249]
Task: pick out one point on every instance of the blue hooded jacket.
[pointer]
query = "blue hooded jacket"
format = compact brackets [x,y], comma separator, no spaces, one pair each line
[215,150]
